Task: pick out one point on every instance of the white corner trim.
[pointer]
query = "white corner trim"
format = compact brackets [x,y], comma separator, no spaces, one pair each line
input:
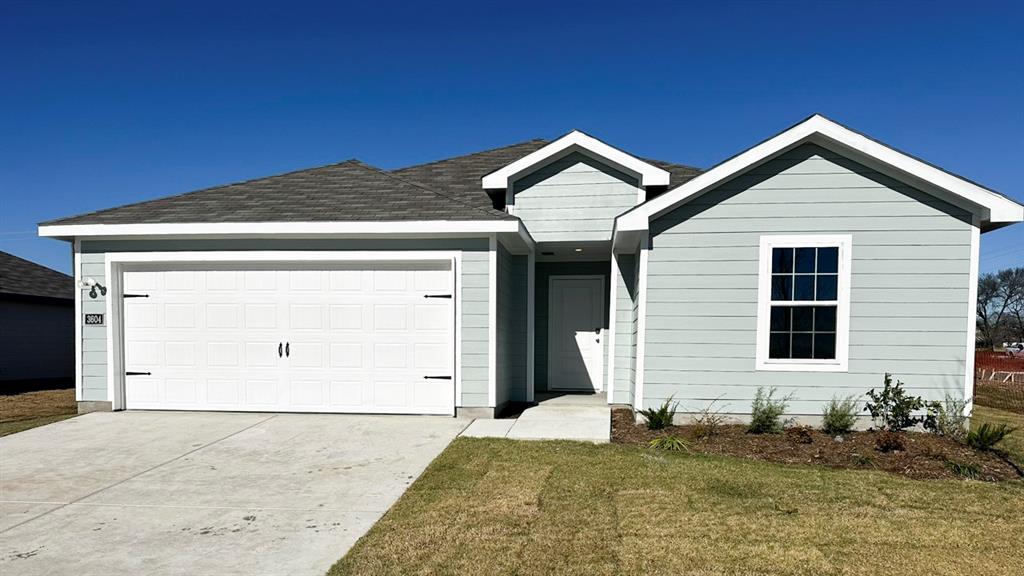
[613,294]
[287,228]
[649,174]
[76,259]
[972,318]
[457,312]
[492,328]
[842,361]
[641,324]
[531,324]
[821,130]
[114,263]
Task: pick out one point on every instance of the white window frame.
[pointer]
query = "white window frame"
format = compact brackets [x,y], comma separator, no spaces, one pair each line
[764,301]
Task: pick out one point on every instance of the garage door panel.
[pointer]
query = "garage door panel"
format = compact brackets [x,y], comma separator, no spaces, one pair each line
[360,340]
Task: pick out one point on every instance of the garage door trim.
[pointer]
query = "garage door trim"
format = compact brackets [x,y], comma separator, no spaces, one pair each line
[116,262]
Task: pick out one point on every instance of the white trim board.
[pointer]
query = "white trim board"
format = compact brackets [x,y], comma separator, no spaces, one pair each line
[76,259]
[296,229]
[817,129]
[576,141]
[842,361]
[492,328]
[972,318]
[114,262]
[531,325]
[613,294]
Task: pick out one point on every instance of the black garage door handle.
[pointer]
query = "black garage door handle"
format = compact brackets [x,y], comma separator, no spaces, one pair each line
[138,374]
[437,377]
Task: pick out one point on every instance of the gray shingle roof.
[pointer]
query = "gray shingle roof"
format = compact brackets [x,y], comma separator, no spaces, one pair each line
[24,278]
[448,189]
[347,191]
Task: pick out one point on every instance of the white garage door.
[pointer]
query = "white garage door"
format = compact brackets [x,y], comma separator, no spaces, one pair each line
[348,339]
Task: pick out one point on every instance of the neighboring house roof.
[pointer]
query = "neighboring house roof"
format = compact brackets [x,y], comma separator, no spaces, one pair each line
[350,191]
[995,209]
[347,191]
[24,278]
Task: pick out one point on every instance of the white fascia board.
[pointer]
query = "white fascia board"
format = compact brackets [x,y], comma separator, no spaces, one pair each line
[823,131]
[448,227]
[649,174]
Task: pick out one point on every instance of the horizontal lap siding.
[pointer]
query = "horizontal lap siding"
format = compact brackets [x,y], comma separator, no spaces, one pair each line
[625,316]
[909,285]
[475,281]
[574,198]
[511,329]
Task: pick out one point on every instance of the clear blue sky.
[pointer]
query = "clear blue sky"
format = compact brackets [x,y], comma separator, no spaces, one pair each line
[107,103]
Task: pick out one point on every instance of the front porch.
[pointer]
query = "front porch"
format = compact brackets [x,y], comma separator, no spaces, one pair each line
[554,416]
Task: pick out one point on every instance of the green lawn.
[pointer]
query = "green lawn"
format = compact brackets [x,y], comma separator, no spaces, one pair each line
[507,507]
[20,412]
[1014,443]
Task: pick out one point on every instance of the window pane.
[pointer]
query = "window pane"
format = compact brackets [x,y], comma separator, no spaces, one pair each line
[825,346]
[780,318]
[782,287]
[805,260]
[804,287]
[828,287]
[803,319]
[828,260]
[825,319]
[782,260]
[778,345]
[801,345]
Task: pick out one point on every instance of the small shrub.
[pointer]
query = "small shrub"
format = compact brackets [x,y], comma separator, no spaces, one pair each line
[966,470]
[839,416]
[800,434]
[862,460]
[662,416]
[986,436]
[893,407]
[710,421]
[947,418]
[766,413]
[889,441]
[670,444]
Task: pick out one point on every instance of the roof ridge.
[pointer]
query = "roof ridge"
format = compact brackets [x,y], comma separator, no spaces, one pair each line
[421,187]
[206,189]
[495,149]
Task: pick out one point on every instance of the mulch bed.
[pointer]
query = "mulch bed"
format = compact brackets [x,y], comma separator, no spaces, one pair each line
[926,456]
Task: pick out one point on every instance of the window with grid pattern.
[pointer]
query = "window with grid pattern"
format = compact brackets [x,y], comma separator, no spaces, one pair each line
[804,302]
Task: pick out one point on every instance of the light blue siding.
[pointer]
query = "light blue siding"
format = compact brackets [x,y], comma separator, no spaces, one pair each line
[624,324]
[574,198]
[475,295]
[511,327]
[909,294]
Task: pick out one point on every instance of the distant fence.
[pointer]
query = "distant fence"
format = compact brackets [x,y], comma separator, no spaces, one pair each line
[999,381]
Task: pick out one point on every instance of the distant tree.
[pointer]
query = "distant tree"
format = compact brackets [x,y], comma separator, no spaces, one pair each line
[1001,306]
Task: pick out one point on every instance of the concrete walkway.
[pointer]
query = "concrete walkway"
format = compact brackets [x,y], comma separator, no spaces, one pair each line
[168,493]
[585,417]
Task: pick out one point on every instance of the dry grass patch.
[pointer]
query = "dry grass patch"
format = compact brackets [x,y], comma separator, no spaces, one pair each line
[505,507]
[30,409]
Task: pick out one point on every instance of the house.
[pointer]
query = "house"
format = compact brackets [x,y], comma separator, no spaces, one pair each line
[814,261]
[37,333]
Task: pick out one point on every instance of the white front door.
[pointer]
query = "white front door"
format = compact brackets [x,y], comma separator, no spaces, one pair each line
[575,318]
[363,338]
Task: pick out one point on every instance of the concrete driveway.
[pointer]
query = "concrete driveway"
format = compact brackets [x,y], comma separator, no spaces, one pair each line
[204,493]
